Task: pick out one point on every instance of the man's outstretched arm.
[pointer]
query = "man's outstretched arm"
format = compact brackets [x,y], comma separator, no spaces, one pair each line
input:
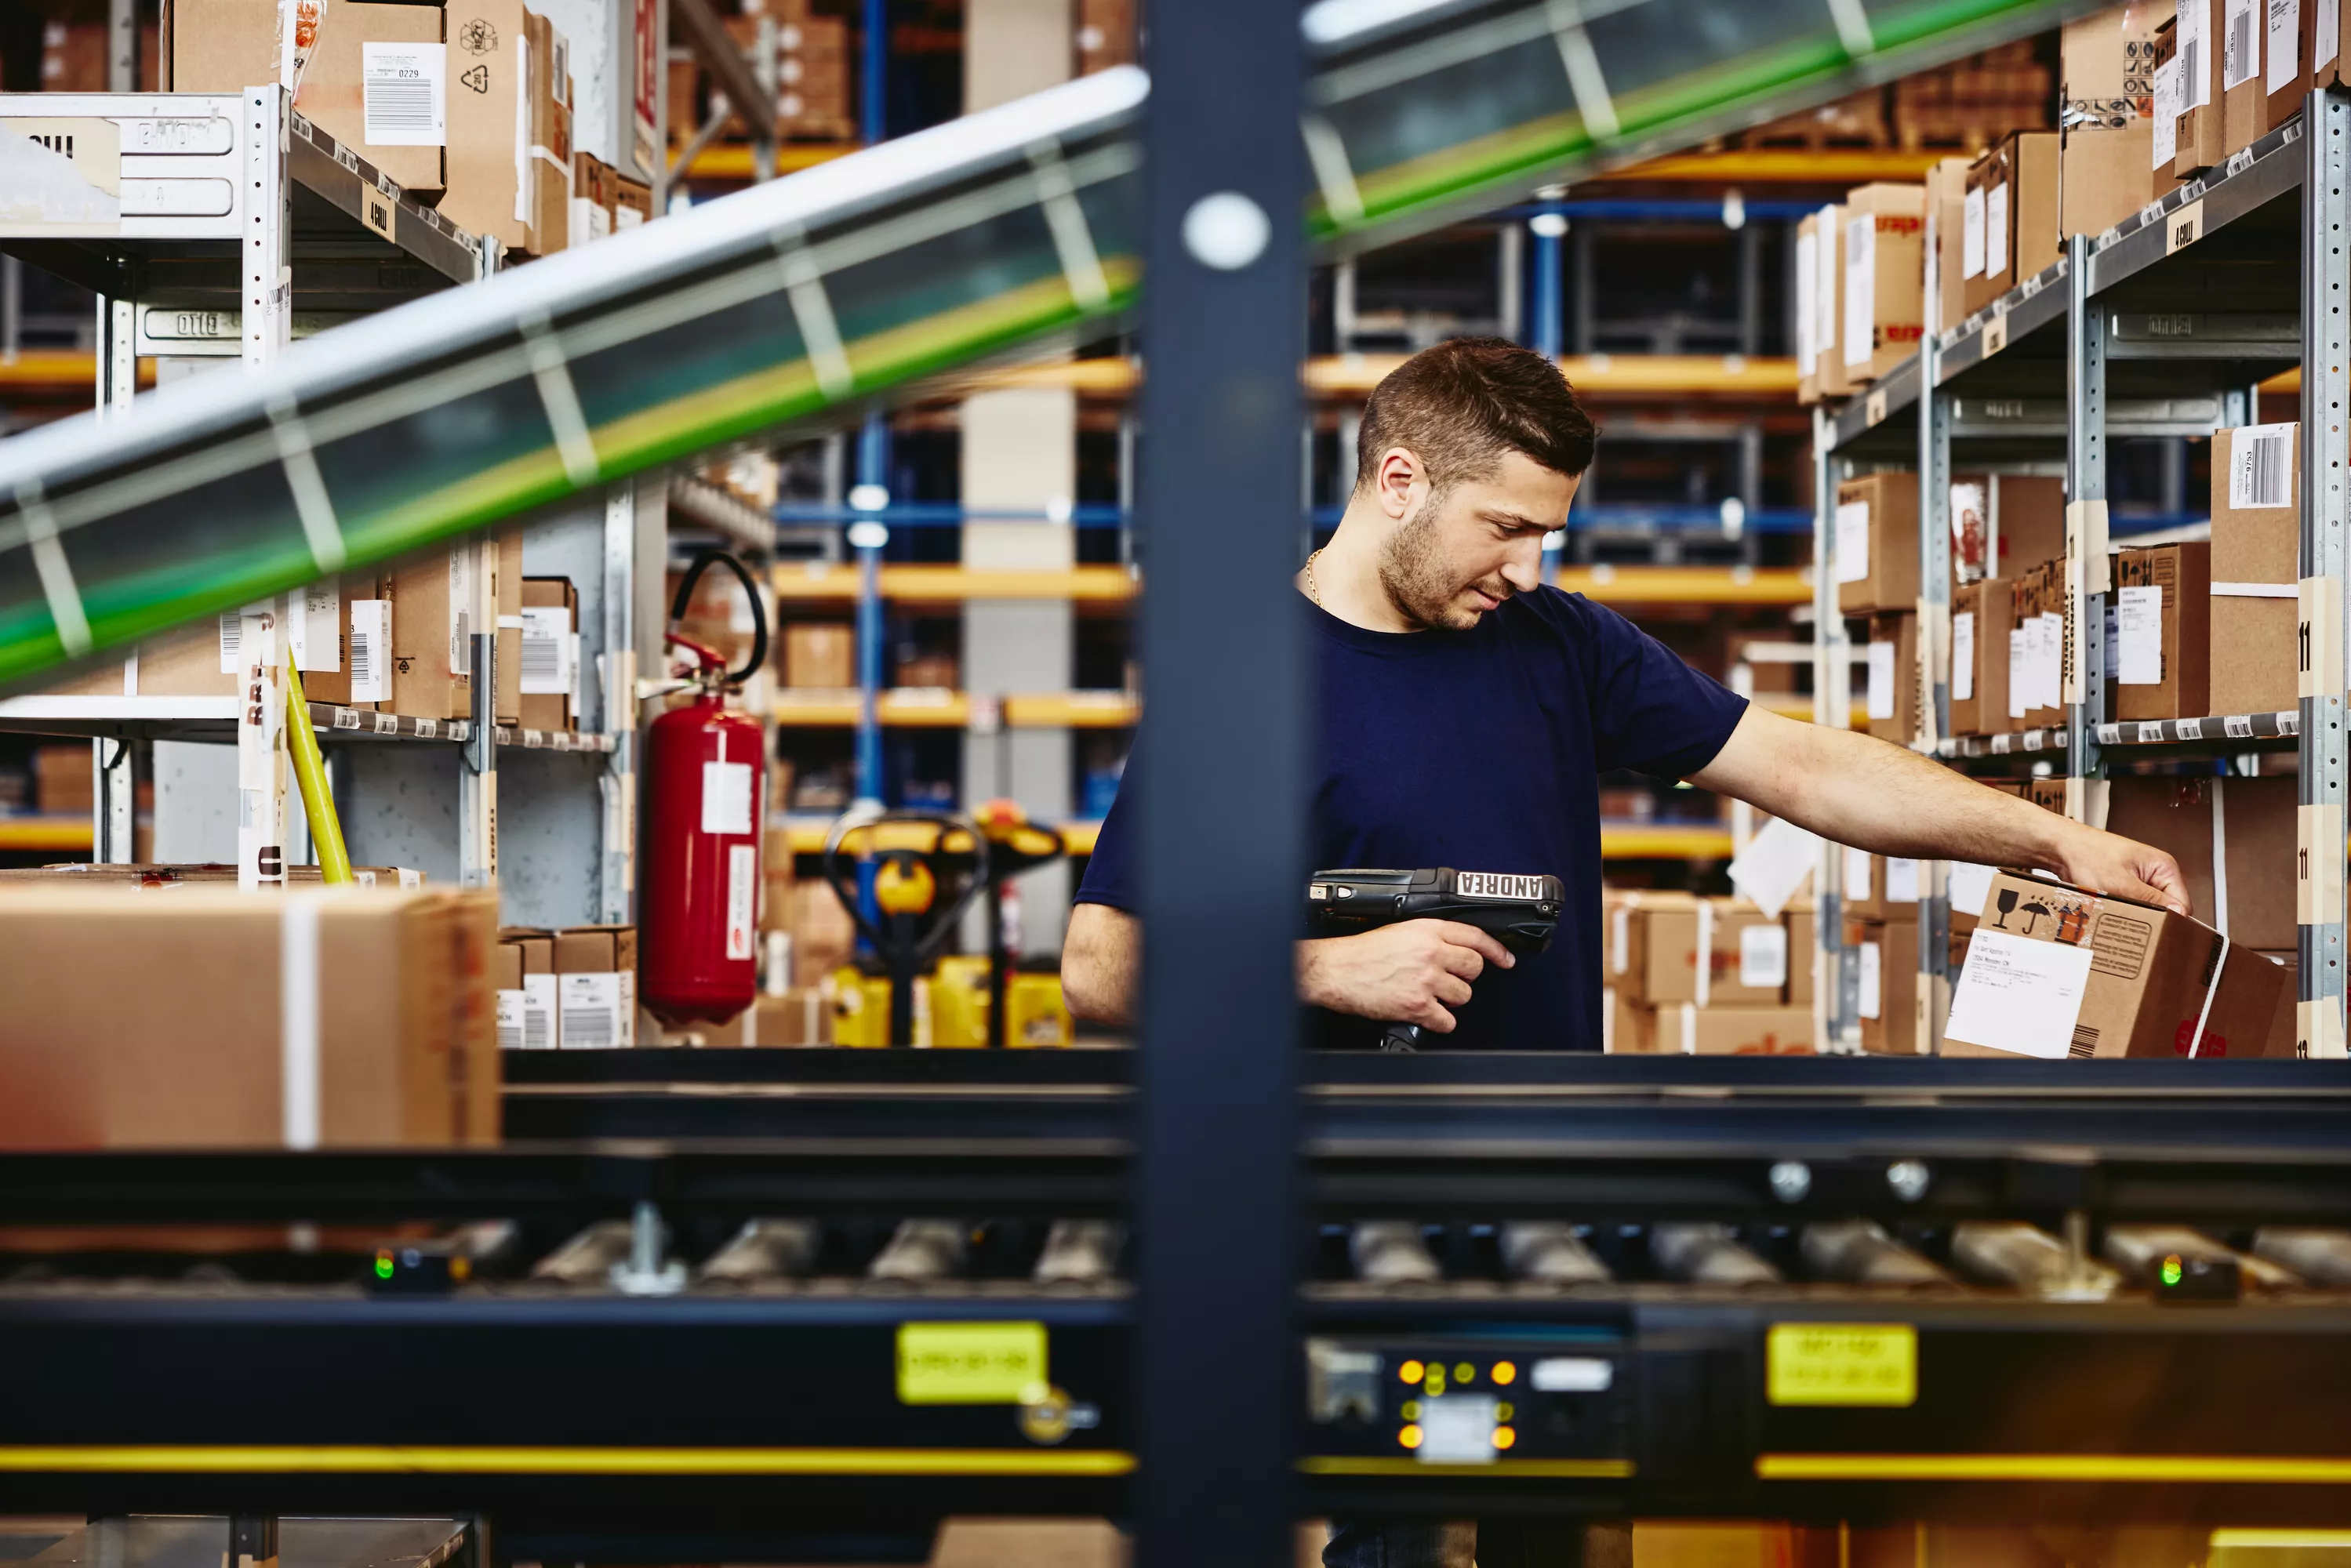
[1102,964]
[1855,789]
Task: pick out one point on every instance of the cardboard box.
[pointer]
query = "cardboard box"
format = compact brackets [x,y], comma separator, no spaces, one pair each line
[2105,174]
[1878,543]
[1735,1031]
[193,1055]
[2018,185]
[546,672]
[2256,548]
[2037,647]
[820,656]
[1881,887]
[2286,72]
[432,633]
[2163,610]
[528,1007]
[822,934]
[1892,691]
[506,592]
[387,103]
[1748,955]
[487,164]
[2006,521]
[1884,261]
[227,45]
[2283,1041]
[1828,306]
[1887,954]
[2245,826]
[596,988]
[144,876]
[632,203]
[1651,955]
[1803,951]
[2322,28]
[1807,287]
[65,780]
[2056,972]
[591,199]
[1947,204]
[1982,614]
[2199,136]
[550,135]
[2110,56]
[799,1017]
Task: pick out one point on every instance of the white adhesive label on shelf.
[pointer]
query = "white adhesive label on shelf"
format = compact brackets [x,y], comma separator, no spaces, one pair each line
[2166,129]
[1967,886]
[2241,43]
[1996,231]
[540,1006]
[2019,995]
[2019,671]
[510,1020]
[405,100]
[1808,261]
[2138,660]
[725,797]
[2284,44]
[1860,288]
[1857,876]
[1881,680]
[460,609]
[546,650]
[1873,982]
[1901,880]
[2194,54]
[591,1010]
[1963,657]
[1852,541]
[1972,235]
[1763,956]
[2258,459]
[742,898]
[370,650]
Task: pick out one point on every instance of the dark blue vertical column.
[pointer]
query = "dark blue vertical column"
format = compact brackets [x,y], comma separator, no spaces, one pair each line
[1222,781]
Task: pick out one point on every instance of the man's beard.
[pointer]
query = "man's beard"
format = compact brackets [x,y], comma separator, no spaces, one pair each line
[1418,580]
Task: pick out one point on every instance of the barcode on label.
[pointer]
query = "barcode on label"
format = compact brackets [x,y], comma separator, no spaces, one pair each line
[2238,727]
[394,104]
[387,724]
[2148,733]
[541,661]
[362,658]
[2110,735]
[2192,729]
[589,1028]
[232,643]
[2258,475]
[2191,72]
[2086,1041]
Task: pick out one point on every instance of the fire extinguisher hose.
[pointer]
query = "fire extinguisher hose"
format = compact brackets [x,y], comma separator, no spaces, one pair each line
[310,778]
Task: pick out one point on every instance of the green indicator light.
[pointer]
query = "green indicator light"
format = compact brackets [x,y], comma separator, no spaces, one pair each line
[383,1265]
[2171,1269]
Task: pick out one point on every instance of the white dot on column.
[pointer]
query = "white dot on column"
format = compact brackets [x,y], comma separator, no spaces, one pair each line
[1226,231]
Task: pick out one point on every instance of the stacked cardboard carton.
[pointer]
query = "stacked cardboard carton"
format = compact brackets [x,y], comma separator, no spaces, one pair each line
[2256,526]
[1967,103]
[573,989]
[1706,976]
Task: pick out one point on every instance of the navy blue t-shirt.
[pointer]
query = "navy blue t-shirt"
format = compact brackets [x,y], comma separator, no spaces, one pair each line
[1481,751]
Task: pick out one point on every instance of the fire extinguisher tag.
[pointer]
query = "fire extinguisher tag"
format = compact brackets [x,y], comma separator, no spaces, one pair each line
[725,797]
[742,898]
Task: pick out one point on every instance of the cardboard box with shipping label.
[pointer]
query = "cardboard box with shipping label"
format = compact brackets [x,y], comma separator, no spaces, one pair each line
[378,83]
[2234,838]
[1884,268]
[1982,616]
[1828,305]
[2056,972]
[1806,286]
[1651,953]
[527,1021]
[1887,1000]
[596,988]
[227,45]
[507,594]
[488,164]
[547,675]
[2256,549]
[2018,183]
[1881,887]
[1878,543]
[1947,203]
[2200,137]
[432,631]
[2322,39]
[2163,598]
[2003,523]
[819,656]
[1748,955]
[550,135]
[2036,648]
[1892,694]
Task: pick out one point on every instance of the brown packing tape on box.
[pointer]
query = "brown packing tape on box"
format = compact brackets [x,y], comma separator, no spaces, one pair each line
[2178,578]
[2054,971]
[2234,838]
[1879,512]
[333,94]
[331,1018]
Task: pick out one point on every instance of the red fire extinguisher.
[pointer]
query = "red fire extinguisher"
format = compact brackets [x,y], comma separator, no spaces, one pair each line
[706,775]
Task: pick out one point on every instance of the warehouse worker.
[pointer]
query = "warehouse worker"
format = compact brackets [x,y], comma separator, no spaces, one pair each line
[1464,712]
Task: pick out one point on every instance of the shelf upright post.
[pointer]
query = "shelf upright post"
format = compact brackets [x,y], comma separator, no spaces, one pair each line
[1217,1207]
[265,281]
[2326,561]
[2088,571]
[1836,980]
[115,764]
[618,884]
[477,774]
[1934,670]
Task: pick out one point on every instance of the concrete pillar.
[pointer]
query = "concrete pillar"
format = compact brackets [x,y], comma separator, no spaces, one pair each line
[1021,454]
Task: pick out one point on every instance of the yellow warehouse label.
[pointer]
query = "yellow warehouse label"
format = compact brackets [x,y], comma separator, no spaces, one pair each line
[1843,1364]
[971,1364]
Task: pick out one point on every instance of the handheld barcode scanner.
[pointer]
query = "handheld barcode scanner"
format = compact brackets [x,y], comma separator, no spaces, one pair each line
[1519,912]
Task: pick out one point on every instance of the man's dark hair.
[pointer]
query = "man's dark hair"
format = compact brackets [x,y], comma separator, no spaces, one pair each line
[1464,403]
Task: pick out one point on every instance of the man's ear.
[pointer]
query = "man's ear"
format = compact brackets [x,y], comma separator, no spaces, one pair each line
[1400,472]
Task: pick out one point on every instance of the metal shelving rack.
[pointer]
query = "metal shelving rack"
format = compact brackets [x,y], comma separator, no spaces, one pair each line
[200,268]
[2163,325]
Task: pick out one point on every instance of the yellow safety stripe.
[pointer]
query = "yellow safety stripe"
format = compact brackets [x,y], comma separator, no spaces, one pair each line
[2153,1467]
[1580,1470]
[608,1461]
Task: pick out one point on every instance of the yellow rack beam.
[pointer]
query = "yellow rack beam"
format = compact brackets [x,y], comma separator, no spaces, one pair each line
[19,833]
[1791,166]
[1352,376]
[1663,841]
[817,583]
[732,161]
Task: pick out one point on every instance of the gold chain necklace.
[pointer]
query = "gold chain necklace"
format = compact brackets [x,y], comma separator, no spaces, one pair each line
[1312,592]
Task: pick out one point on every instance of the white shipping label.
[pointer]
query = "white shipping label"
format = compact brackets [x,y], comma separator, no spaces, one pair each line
[2139,623]
[2241,43]
[629,1004]
[1860,288]
[1852,541]
[1763,956]
[742,898]
[1881,680]
[2259,475]
[510,1020]
[2284,44]
[1969,887]
[2325,29]
[1808,260]
[1620,940]
[1963,657]
[2020,670]
[592,1011]
[460,609]
[316,634]
[2052,659]
[2019,995]
[538,1011]
[1996,231]
[2165,133]
[2194,54]
[1873,982]
[1901,880]
[725,797]
[1824,280]
[1972,235]
[1857,876]
[232,635]
[370,650]
[546,650]
[404,103]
